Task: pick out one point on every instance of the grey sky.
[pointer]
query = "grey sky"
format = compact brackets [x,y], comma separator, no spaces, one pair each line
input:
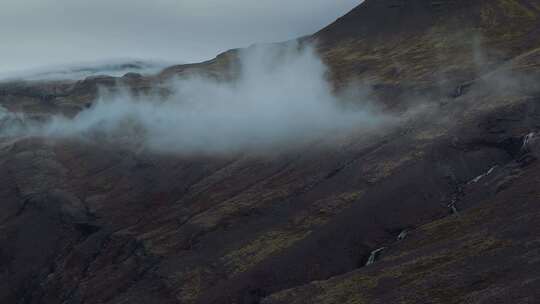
[38,33]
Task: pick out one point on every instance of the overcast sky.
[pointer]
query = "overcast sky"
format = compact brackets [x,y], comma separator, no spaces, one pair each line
[37,33]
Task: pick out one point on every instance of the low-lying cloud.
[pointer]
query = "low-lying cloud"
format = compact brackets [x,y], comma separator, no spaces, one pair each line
[281,100]
[58,32]
[115,68]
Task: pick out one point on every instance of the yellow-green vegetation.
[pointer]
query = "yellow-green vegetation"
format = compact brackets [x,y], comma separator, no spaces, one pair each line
[321,211]
[386,168]
[507,22]
[189,285]
[424,57]
[251,198]
[527,61]
[258,250]
[348,291]
[447,49]
[515,9]
[412,269]
[431,134]
[272,242]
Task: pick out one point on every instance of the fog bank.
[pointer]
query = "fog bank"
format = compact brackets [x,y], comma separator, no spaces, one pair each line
[280,101]
[115,68]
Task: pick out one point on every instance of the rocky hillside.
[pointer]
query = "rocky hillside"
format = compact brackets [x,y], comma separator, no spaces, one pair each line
[440,209]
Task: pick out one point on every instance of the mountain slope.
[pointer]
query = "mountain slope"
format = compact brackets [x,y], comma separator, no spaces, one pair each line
[422,42]
[86,223]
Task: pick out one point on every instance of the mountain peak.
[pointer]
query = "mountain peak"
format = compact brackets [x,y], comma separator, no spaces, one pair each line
[420,40]
[377,17]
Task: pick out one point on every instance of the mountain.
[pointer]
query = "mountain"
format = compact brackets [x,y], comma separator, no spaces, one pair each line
[440,209]
[67,72]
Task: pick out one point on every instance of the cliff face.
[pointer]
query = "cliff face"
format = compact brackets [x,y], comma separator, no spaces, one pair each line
[451,196]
